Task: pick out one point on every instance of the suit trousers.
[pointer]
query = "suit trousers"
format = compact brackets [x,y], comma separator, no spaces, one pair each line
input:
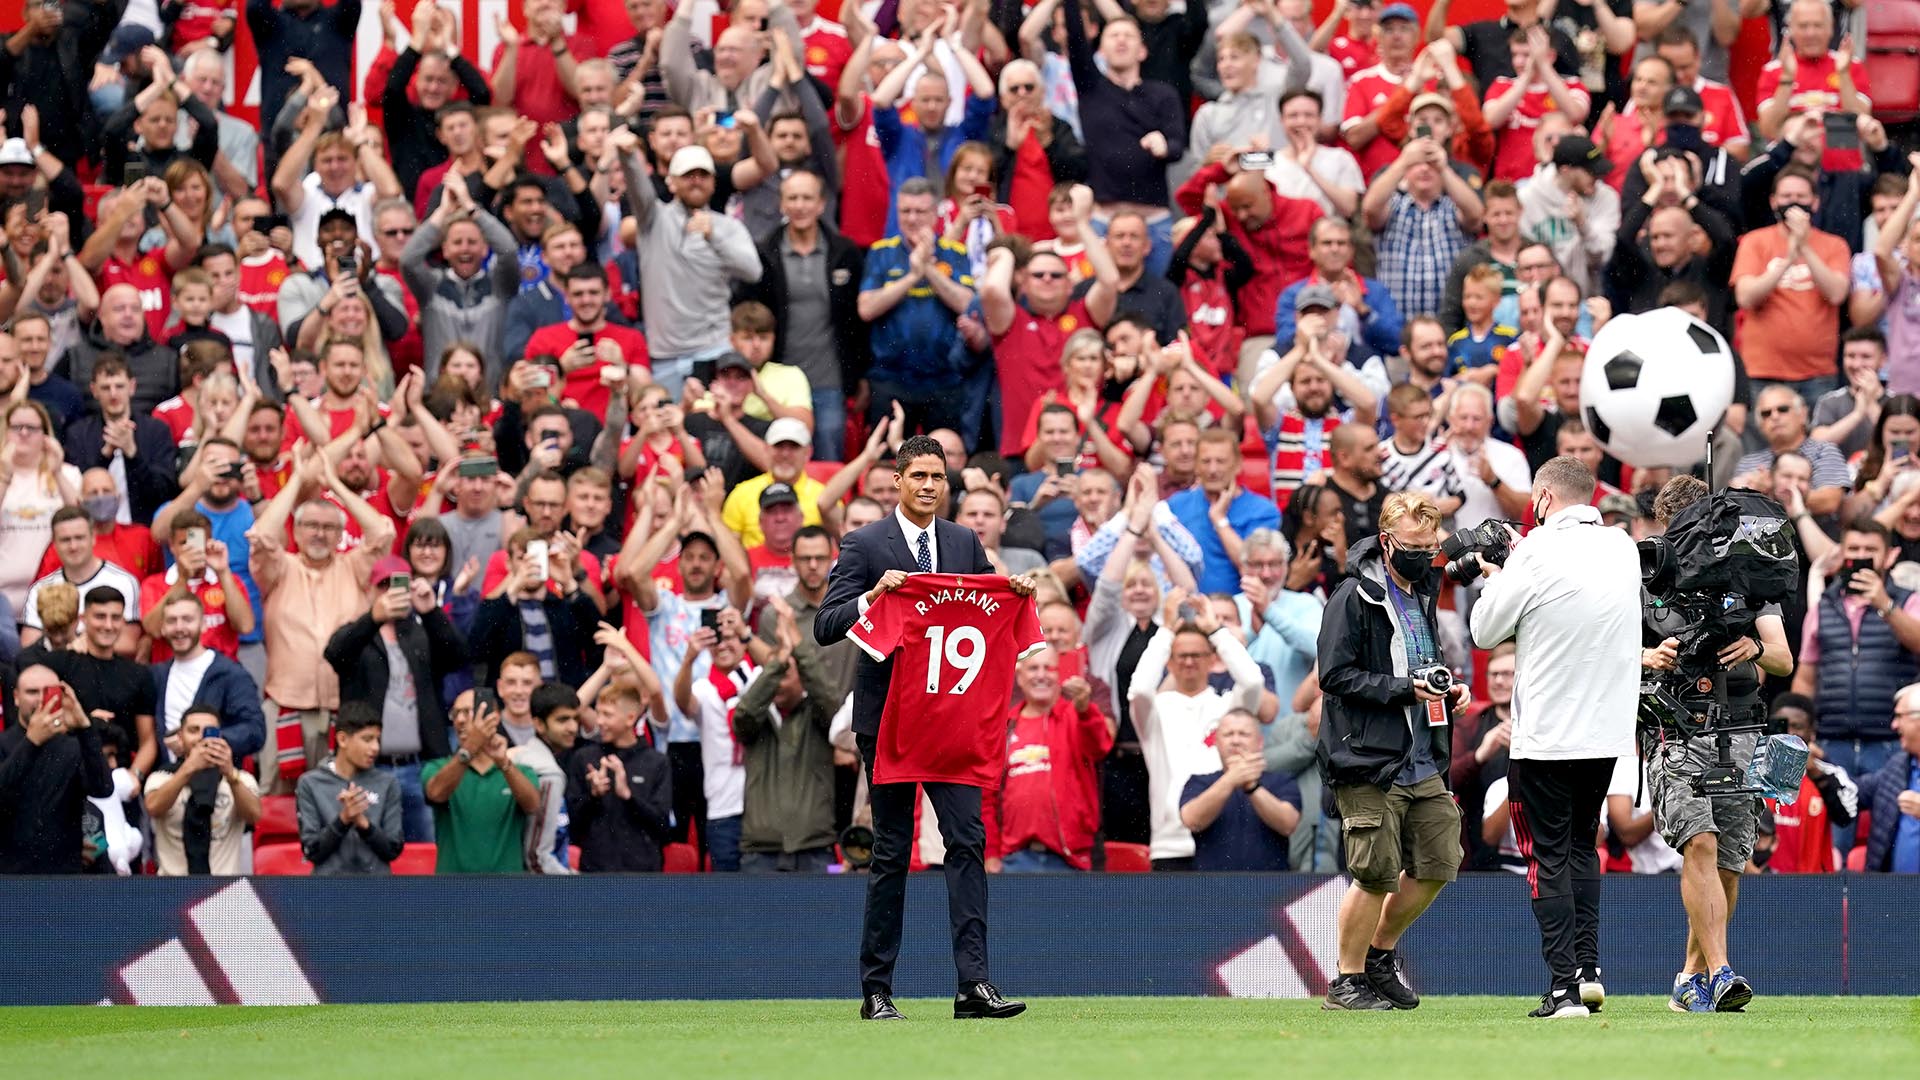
[958,808]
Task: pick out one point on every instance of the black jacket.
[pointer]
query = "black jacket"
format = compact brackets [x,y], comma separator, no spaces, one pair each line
[846,261]
[151,483]
[433,648]
[620,835]
[43,794]
[1634,281]
[412,145]
[497,632]
[1366,724]
[154,367]
[1845,197]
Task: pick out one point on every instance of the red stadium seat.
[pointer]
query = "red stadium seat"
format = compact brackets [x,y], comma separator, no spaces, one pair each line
[280,860]
[1857,858]
[1255,477]
[278,823]
[680,859]
[822,470]
[416,860]
[573,856]
[1128,859]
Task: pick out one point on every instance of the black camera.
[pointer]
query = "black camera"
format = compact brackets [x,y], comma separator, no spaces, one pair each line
[1489,540]
[1439,677]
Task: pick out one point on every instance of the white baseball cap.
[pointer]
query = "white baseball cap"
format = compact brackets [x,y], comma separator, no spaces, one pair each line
[787,429]
[690,159]
[15,152]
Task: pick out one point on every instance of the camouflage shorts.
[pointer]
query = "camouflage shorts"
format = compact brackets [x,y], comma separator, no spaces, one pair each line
[1682,814]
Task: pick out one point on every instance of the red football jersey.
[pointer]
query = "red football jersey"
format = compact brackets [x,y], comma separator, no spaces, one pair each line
[955,640]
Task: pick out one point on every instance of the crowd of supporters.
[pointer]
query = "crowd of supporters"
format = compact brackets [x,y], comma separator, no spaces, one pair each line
[457,452]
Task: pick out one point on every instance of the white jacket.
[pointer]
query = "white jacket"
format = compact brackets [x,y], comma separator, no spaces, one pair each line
[1174,729]
[1583,252]
[1570,599]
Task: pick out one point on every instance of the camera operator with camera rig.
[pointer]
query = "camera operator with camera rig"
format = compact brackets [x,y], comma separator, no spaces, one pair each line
[1568,597]
[1385,742]
[1680,750]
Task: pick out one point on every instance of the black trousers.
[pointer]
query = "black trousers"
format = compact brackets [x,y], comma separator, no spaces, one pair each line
[958,808]
[1556,812]
[689,793]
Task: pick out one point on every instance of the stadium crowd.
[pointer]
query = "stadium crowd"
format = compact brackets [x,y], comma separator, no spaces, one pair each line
[458,454]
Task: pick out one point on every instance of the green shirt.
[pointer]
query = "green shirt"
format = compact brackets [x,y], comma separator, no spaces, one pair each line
[481,829]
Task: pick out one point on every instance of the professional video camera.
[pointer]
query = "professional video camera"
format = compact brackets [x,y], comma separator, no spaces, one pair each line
[1721,558]
[1489,540]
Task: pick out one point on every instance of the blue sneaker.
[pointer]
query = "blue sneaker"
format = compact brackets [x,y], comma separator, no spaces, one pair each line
[1690,994]
[1730,992]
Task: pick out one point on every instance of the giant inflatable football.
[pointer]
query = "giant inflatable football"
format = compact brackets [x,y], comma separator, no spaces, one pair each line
[1654,386]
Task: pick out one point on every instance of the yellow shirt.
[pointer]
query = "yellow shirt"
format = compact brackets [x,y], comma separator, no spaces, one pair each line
[786,385]
[742,510]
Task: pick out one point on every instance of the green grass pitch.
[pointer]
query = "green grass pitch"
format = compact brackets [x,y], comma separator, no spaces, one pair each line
[1105,1038]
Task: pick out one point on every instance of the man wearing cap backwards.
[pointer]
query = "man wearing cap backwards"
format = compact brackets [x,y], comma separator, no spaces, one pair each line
[690,258]
[1566,208]
[392,659]
[790,447]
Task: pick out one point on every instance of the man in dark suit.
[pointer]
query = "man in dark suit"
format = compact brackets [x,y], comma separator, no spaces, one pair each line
[873,561]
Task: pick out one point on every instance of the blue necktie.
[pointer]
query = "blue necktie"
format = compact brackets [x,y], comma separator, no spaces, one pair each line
[926,557]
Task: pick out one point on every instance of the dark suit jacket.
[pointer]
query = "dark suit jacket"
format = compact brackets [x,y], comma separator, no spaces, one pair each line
[433,648]
[866,554]
[229,689]
[150,475]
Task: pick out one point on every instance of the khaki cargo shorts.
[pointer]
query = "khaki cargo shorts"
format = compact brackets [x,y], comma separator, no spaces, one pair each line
[1415,829]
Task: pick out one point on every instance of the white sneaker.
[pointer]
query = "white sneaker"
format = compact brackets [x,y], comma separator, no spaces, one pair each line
[1592,993]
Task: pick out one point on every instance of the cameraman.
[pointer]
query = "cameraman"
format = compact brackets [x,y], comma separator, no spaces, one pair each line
[1385,740]
[1568,598]
[1707,832]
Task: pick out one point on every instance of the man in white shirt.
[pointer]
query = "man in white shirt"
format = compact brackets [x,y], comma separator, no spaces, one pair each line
[1493,474]
[201,809]
[1174,724]
[1569,597]
[710,702]
[82,569]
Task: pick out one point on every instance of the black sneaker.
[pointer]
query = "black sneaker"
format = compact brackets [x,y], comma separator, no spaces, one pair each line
[1561,1004]
[1593,993]
[1384,974]
[1353,993]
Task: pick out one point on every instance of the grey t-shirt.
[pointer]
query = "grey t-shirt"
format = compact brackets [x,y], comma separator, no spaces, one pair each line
[1697,18]
[472,538]
[400,711]
[1830,408]
[810,344]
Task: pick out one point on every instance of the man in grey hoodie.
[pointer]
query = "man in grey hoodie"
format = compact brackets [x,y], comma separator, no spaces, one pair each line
[459,299]
[349,811]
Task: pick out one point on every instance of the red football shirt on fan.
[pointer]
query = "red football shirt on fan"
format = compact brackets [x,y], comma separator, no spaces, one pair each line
[1513,153]
[864,183]
[152,276]
[260,280]
[177,413]
[1354,54]
[1816,85]
[582,384]
[197,18]
[1722,123]
[1367,90]
[1027,358]
[955,639]
[129,547]
[827,49]
[216,633]
[1802,832]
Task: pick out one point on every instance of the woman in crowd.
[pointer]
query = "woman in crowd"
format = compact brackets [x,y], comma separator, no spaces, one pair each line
[37,481]
[1889,454]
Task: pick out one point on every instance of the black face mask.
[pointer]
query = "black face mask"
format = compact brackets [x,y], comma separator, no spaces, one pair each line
[1686,137]
[1414,566]
[1780,212]
[1761,856]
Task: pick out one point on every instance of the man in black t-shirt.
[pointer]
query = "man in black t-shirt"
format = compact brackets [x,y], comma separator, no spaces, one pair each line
[1483,44]
[1356,478]
[112,690]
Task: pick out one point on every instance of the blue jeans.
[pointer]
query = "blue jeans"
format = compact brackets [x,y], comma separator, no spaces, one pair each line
[809,861]
[672,371]
[1160,233]
[829,423]
[416,817]
[723,843]
[1861,758]
[1034,862]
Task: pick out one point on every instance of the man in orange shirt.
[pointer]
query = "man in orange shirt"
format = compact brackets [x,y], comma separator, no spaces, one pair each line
[1789,280]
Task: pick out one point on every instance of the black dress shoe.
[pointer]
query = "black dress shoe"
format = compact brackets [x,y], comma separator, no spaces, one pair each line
[982,1002]
[879,1007]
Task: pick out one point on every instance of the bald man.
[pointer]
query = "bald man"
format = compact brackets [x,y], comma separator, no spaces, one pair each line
[1273,230]
[1356,478]
[1669,242]
[738,76]
[121,326]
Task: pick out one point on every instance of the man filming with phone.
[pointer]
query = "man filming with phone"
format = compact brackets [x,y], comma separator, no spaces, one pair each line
[202,807]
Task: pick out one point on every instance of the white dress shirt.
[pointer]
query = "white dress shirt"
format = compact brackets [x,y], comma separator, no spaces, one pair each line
[1570,599]
[913,533]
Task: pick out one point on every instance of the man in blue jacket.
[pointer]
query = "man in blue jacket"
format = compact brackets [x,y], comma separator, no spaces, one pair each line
[1893,794]
[198,675]
[1367,314]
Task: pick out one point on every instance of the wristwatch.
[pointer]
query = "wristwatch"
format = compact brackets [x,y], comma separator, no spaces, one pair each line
[465,755]
[1494,484]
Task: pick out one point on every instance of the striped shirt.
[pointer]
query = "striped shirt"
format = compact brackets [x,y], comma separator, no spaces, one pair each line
[1297,447]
